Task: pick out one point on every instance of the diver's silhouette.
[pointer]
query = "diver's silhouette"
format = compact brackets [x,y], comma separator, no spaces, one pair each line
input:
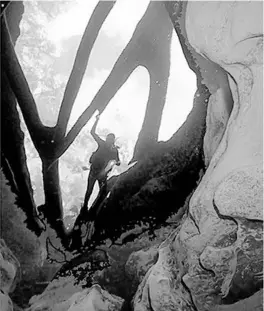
[102,162]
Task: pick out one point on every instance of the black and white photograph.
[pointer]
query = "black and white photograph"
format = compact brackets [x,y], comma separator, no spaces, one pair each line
[131,155]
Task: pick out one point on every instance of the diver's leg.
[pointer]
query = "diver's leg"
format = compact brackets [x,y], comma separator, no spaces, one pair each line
[90,184]
[100,197]
[103,185]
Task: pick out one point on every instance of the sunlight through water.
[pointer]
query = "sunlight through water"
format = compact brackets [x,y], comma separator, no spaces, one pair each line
[55,40]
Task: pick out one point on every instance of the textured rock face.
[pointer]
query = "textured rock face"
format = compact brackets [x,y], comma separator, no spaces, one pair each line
[254,302]
[25,246]
[92,299]
[225,249]
[157,290]
[217,253]
[214,261]
[138,265]
[5,302]
[217,116]
[9,268]
[57,291]
[22,242]
[9,272]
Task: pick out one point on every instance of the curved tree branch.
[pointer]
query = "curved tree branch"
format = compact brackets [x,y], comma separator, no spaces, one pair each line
[14,156]
[73,85]
[19,84]
[100,101]
[174,9]
[7,170]
[207,72]
[149,47]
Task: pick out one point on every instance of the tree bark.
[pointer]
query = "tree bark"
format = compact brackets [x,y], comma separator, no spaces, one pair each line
[12,137]
[19,84]
[156,32]
[52,208]
[73,85]
[14,151]
[8,173]
[46,139]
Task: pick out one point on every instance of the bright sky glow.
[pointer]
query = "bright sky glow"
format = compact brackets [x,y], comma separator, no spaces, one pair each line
[125,112]
[119,27]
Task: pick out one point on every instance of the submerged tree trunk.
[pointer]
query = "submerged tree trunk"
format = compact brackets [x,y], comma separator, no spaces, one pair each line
[149,47]
[52,208]
[47,140]
[12,144]
[12,137]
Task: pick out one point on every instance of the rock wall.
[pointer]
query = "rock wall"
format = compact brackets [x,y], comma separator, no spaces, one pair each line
[9,276]
[217,253]
[213,261]
[92,299]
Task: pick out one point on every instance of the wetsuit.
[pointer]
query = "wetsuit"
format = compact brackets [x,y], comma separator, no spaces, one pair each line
[99,161]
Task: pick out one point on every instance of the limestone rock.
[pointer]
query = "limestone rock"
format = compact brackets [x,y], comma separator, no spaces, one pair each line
[17,308]
[224,27]
[139,263]
[120,278]
[5,302]
[58,290]
[157,290]
[92,299]
[241,193]
[220,241]
[217,116]
[23,243]
[9,267]
[253,303]
[70,279]
[214,261]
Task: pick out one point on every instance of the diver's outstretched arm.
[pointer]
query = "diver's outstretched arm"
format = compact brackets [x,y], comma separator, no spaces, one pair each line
[95,136]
